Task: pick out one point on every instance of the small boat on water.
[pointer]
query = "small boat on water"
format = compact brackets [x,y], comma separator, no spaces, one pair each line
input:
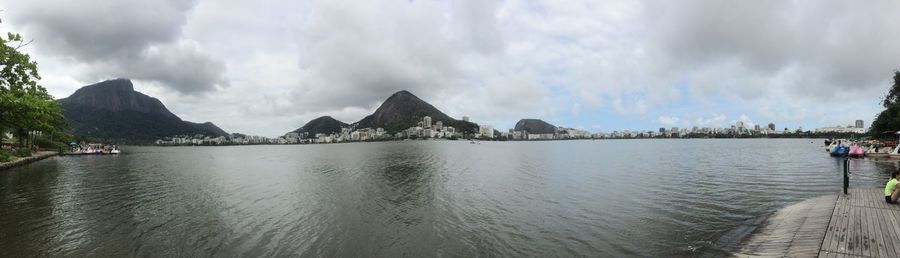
[895,153]
[834,144]
[95,149]
[840,151]
[878,150]
[857,150]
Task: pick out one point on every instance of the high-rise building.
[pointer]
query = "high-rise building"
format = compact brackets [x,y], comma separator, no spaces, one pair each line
[486,131]
[426,122]
[662,130]
[772,126]
[466,118]
[859,124]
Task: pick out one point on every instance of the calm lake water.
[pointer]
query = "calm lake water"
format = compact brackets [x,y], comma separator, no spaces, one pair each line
[415,198]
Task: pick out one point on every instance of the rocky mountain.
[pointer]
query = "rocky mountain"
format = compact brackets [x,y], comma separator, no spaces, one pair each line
[112,111]
[324,124]
[535,126]
[116,96]
[209,127]
[403,110]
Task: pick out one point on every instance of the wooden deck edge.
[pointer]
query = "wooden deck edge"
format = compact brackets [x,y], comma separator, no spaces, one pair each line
[786,232]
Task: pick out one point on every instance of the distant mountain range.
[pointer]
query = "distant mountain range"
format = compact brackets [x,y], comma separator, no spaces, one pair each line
[112,111]
[400,111]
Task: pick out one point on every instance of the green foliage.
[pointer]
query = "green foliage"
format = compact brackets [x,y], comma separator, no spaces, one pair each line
[23,152]
[123,127]
[44,142]
[5,156]
[25,106]
[18,71]
[893,96]
[888,121]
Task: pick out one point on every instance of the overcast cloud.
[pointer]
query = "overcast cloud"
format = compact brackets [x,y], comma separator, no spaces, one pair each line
[267,67]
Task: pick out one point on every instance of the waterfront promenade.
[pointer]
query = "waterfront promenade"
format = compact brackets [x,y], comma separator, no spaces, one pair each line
[859,224]
[22,161]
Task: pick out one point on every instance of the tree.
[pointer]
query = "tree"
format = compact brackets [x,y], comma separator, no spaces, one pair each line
[893,96]
[25,106]
[889,119]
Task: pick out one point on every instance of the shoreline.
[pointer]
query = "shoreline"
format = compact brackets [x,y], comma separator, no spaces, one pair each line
[461,140]
[22,161]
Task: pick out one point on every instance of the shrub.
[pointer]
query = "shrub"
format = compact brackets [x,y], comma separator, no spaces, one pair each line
[5,156]
[23,152]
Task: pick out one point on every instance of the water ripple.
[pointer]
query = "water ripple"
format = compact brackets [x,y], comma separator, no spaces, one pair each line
[417,198]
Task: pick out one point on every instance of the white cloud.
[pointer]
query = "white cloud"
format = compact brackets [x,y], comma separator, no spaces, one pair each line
[668,121]
[748,123]
[268,66]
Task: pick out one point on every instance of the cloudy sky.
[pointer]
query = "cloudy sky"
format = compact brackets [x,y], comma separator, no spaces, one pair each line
[266,67]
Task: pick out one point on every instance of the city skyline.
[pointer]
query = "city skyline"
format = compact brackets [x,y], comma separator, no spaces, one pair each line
[626,66]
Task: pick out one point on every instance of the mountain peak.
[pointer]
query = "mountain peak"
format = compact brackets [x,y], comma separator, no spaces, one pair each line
[322,124]
[119,86]
[403,110]
[112,110]
[117,95]
[209,127]
[403,92]
[402,95]
[535,126]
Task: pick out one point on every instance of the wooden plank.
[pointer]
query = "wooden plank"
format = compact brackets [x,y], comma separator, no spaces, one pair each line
[843,228]
[876,244]
[864,232]
[884,248]
[871,226]
[866,229]
[878,238]
[870,242]
[855,231]
[833,236]
[887,227]
[807,240]
[864,226]
[886,245]
[860,224]
[892,235]
[794,231]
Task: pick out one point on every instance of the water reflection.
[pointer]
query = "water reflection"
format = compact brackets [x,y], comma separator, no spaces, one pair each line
[25,206]
[419,198]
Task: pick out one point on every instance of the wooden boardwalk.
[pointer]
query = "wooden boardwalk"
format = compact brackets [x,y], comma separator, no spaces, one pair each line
[859,224]
[863,225]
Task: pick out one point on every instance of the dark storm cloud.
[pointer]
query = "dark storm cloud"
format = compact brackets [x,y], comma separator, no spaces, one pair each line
[135,39]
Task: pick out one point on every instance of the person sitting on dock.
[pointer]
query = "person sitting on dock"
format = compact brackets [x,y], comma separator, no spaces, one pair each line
[891,191]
